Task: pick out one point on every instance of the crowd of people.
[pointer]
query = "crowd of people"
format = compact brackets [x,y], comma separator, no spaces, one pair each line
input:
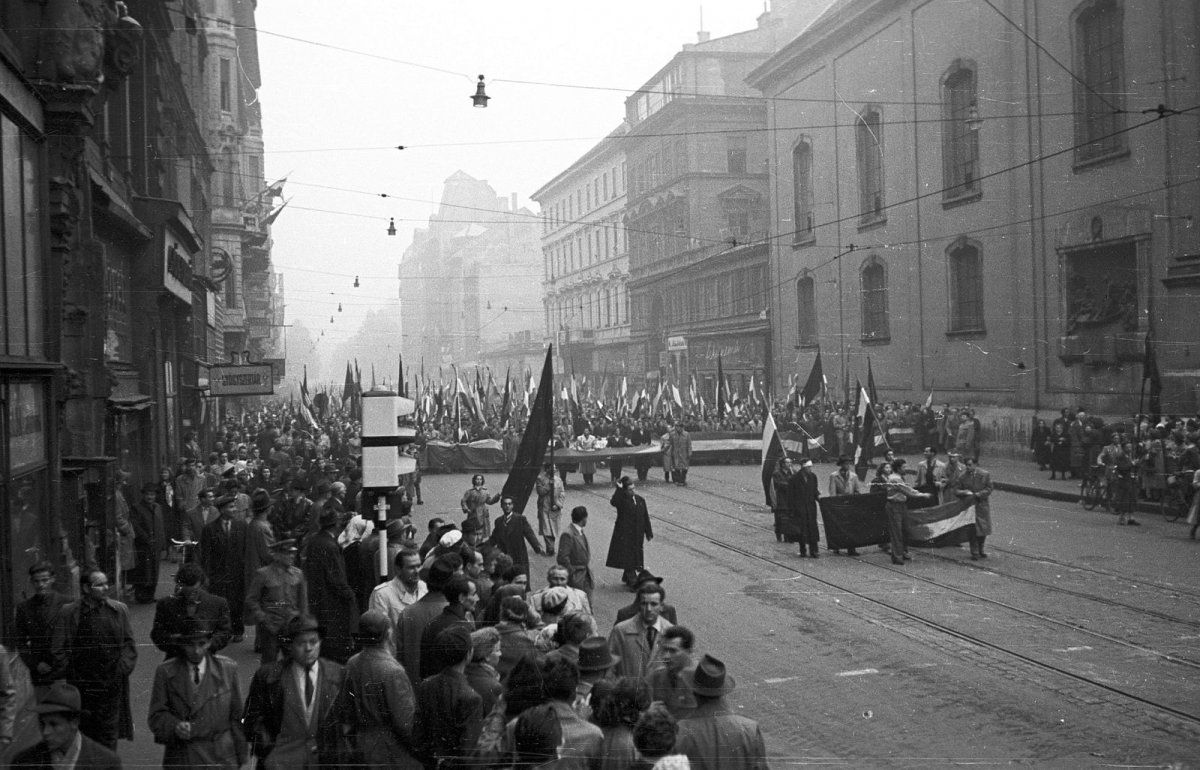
[453,658]
[1139,458]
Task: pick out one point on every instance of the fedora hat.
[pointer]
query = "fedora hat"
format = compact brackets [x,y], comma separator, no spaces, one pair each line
[301,624]
[594,655]
[646,576]
[192,630]
[260,501]
[709,678]
[61,698]
[329,517]
[225,500]
[284,546]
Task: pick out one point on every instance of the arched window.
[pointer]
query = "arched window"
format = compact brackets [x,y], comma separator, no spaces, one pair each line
[806,308]
[802,190]
[960,140]
[869,153]
[875,325]
[965,263]
[1099,85]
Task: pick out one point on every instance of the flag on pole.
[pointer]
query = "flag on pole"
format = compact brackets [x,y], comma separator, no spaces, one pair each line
[814,386]
[865,413]
[772,451]
[874,394]
[722,394]
[539,431]
[929,398]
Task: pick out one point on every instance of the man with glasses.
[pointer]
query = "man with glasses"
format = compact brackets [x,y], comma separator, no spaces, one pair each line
[94,651]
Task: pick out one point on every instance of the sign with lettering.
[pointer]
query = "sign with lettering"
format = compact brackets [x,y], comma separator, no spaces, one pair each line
[676,344]
[177,267]
[241,380]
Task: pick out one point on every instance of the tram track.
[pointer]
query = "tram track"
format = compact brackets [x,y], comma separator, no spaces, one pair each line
[939,627]
[1174,591]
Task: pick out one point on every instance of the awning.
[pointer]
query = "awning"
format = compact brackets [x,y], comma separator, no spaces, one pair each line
[130,403]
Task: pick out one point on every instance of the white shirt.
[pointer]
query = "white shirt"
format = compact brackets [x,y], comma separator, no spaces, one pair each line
[203,664]
[392,597]
[356,530]
[298,673]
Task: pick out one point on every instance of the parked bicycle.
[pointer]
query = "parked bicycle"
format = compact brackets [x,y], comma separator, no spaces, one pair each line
[1176,498]
[1095,490]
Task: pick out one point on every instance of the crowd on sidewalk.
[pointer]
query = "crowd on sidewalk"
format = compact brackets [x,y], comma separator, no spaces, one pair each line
[451,659]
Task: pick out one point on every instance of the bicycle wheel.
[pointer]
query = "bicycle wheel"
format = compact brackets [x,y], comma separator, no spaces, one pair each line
[1092,494]
[1173,504]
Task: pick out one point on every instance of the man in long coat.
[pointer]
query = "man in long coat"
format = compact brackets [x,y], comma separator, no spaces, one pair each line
[681,454]
[190,604]
[223,558]
[511,533]
[196,705]
[94,651]
[575,554]
[550,499]
[146,516]
[330,597]
[975,486]
[800,521]
[631,529]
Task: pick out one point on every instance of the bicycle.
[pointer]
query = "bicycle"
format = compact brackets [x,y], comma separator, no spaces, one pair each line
[1095,490]
[1175,500]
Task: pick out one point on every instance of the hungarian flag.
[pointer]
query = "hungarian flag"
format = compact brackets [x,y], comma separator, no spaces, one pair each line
[950,523]
[869,436]
[538,433]
[814,384]
[772,451]
[871,383]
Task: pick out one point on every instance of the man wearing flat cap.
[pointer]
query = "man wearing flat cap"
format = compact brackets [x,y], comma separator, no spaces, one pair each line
[196,705]
[330,597]
[278,592]
[295,717]
[380,694]
[190,603]
[449,714]
[223,557]
[712,736]
[62,743]
[259,533]
[290,518]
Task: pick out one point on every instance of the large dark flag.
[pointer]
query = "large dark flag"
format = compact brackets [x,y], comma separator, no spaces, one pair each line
[772,451]
[854,521]
[816,379]
[874,394]
[538,433]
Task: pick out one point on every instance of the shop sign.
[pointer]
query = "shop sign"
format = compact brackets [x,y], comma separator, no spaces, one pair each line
[177,268]
[677,344]
[241,380]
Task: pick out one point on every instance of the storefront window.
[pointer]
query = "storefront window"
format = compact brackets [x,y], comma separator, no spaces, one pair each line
[23,482]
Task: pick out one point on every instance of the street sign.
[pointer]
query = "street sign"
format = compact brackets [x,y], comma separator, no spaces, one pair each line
[241,380]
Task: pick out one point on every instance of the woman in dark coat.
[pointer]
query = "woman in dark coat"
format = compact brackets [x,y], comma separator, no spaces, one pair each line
[630,530]
[800,523]
[1039,442]
[779,494]
[1060,451]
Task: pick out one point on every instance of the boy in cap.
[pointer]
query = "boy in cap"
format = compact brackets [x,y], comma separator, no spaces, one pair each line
[196,705]
[381,697]
[58,720]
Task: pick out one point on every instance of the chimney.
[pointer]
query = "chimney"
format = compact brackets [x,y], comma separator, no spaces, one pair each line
[514,201]
[703,37]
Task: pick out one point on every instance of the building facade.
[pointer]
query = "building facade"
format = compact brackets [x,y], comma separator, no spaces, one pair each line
[464,279]
[586,262]
[108,310]
[994,204]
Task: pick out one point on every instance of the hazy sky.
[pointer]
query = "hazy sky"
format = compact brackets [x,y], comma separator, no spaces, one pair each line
[345,83]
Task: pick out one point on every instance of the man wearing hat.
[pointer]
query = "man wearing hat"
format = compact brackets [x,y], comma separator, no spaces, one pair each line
[712,736]
[330,597]
[800,519]
[223,557]
[196,705]
[146,516]
[190,603]
[259,534]
[931,473]
[449,714]
[94,651]
[62,743]
[278,592]
[596,662]
[294,715]
[290,518]
[381,696]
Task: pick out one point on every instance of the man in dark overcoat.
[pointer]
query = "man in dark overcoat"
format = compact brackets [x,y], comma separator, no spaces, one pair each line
[223,556]
[800,521]
[146,516]
[630,530]
[511,532]
[330,597]
[190,604]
